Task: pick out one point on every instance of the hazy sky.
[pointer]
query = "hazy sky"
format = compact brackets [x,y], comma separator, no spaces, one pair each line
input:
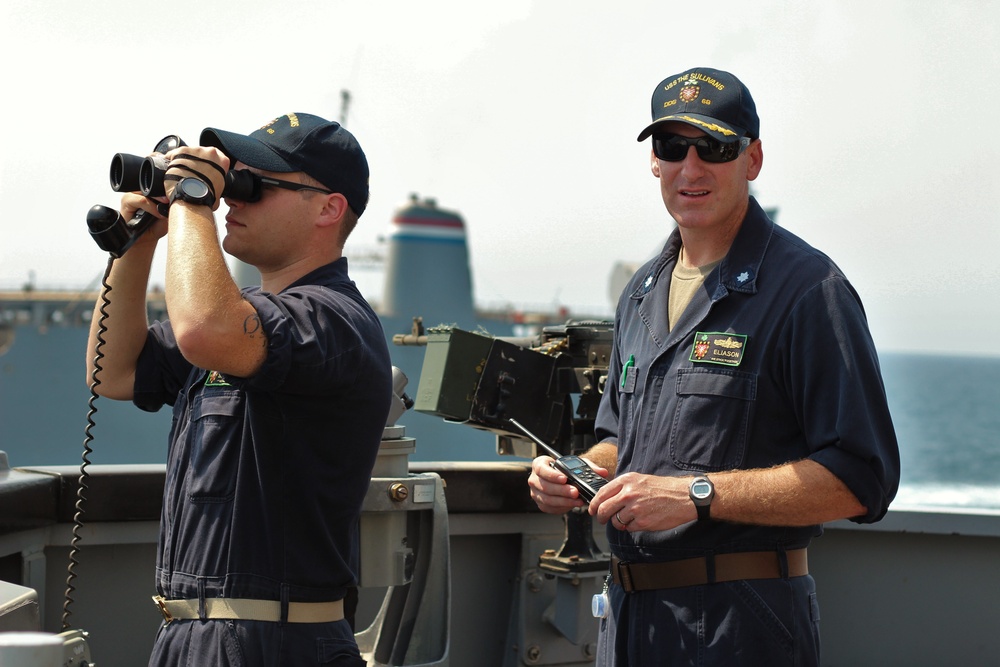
[877,121]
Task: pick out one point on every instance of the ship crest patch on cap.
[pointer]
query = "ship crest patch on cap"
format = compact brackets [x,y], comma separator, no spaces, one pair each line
[690,91]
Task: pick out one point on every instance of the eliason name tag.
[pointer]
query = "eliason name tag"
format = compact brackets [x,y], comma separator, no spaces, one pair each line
[713,347]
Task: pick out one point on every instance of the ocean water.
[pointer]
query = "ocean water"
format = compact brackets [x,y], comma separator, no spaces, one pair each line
[946,410]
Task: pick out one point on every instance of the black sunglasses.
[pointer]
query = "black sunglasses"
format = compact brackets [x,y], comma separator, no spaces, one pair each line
[674,148]
[290,185]
[245,185]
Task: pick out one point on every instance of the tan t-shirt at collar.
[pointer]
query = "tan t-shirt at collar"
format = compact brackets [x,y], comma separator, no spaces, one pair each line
[684,282]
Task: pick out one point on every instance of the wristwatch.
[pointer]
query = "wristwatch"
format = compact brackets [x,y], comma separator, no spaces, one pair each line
[194,191]
[702,491]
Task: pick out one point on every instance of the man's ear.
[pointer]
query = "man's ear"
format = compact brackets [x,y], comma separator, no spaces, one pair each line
[654,164]
[756,159]
[334,208]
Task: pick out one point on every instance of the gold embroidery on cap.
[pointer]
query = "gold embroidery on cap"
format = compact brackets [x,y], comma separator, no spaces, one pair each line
[708,126]
[693,80]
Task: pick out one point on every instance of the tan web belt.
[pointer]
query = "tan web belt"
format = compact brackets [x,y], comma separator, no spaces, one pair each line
[713,569]
[250,610]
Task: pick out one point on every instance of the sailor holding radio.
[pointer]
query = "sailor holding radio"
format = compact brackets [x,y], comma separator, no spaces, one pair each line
[744,408]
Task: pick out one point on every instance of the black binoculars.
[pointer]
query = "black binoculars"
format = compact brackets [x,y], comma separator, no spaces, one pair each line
[131,173]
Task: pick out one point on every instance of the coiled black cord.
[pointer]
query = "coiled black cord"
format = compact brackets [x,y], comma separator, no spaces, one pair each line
[81,491]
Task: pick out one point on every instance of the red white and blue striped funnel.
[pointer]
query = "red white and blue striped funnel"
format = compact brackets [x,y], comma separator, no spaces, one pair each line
[427,273]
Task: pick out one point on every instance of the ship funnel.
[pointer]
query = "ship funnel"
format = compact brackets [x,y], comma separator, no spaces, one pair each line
[427,271]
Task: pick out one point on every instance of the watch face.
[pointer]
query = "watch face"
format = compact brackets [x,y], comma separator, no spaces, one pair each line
[701,489]
[194,188]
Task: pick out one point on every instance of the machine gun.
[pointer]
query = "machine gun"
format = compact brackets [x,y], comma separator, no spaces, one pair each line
[548,386]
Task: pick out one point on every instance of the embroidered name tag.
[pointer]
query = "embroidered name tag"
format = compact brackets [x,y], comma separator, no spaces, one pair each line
[714,347]
[216,379]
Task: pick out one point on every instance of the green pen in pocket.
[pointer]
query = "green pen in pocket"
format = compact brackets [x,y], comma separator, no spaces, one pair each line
[628,364]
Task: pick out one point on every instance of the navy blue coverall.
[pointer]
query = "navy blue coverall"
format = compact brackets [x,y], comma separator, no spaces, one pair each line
[771,362]
[266,475]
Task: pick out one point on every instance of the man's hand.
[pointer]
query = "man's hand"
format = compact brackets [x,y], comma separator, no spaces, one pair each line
[204,163]
[132,203]
[549,488]
[644,502]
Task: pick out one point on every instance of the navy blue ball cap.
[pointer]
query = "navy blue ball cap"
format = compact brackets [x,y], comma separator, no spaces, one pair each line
[715,102]
[302,142]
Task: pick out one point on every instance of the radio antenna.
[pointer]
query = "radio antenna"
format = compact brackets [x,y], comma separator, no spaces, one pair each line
[345,103]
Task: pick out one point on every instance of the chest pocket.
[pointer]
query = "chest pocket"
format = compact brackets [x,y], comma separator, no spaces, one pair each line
[711,418]
[214,446]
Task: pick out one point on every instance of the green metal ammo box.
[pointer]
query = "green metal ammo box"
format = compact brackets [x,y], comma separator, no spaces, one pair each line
[453,363]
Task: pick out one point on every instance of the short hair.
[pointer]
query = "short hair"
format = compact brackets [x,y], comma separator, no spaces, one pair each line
[350,218]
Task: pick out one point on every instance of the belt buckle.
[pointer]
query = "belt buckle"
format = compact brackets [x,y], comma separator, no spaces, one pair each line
[624,576]
[161,604]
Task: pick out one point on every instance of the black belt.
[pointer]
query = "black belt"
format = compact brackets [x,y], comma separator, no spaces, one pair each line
[709,569]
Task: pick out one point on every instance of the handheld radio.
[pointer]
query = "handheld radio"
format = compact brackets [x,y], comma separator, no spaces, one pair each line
[577,472]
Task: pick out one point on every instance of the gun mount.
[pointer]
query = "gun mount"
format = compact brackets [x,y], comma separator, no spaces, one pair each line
[551,384]
[484,381]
